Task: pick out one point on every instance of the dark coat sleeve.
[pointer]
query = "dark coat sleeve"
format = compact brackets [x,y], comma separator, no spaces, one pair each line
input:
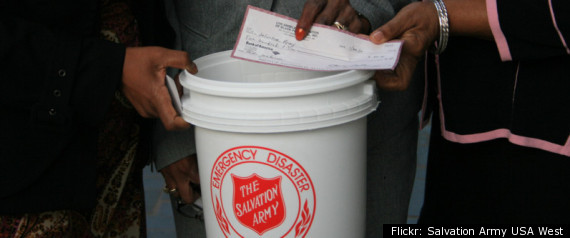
[58,80]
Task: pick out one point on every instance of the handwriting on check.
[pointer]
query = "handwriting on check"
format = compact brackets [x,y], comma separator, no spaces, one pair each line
[270,38]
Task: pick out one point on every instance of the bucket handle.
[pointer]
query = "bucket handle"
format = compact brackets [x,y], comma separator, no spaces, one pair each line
[174,96]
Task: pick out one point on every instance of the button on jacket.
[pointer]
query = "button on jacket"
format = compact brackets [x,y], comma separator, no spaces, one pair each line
[58,79]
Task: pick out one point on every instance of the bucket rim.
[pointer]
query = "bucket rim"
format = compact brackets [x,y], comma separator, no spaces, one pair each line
[306,103]
[199,84]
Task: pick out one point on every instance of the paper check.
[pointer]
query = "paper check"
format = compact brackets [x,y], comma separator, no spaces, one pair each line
[269,38]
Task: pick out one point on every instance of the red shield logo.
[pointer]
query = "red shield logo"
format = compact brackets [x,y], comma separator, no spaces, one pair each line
[258,202]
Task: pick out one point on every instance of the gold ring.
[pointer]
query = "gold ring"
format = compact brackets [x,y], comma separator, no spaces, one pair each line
[166,189]
[339,26]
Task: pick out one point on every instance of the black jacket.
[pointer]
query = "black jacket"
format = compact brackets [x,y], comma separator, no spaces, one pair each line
[515,87]
[58,78]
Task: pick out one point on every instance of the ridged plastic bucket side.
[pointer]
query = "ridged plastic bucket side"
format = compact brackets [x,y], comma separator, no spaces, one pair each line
[239,96]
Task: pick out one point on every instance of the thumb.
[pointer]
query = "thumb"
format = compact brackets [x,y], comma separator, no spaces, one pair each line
[387,32]
[179,59]
[397,26]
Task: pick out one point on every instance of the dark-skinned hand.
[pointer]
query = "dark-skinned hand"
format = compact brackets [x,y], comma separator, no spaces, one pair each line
[180,175]
[327,12]
[143,82]
[417,25]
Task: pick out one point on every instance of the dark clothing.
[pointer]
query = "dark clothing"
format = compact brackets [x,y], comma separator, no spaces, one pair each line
[494,182]
[500,145]
[58,80]
[526,101]
[514,87]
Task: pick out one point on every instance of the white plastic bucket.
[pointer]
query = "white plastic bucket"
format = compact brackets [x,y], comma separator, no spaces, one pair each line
[281,152]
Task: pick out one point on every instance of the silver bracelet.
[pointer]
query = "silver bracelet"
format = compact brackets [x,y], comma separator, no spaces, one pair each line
[443,27]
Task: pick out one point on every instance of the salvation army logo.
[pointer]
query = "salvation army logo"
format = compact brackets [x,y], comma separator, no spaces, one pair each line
[258,203]
[261,192]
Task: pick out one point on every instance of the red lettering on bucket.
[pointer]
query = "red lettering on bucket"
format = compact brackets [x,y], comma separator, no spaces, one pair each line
[289,168]
[256,197]
[227,160]
[256,202]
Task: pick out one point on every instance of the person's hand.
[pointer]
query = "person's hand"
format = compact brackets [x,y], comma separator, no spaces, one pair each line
[327,12]
[179,176]
[418,26]
[143,83]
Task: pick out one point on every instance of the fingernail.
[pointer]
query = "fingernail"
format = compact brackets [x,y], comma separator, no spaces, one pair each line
[192,69]
[300,33]
[377,36]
